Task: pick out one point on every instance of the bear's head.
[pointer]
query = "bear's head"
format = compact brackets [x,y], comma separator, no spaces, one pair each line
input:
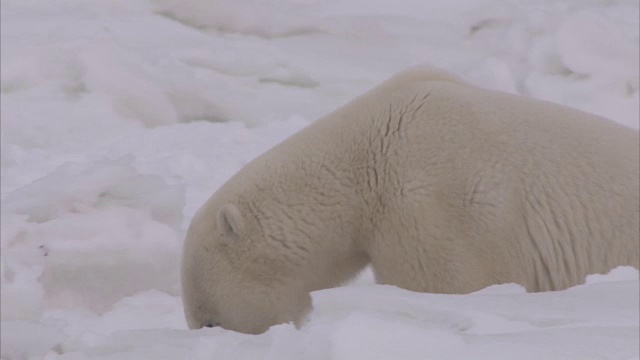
[234,277]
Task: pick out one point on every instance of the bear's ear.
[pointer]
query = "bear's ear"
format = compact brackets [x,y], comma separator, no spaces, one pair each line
[230,222]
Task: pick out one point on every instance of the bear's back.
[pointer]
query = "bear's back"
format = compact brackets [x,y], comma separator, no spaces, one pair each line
[556,181]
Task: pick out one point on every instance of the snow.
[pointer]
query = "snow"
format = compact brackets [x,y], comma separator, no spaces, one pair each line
[121,117]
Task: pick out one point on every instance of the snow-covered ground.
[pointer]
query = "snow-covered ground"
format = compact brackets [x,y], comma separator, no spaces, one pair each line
[120,117]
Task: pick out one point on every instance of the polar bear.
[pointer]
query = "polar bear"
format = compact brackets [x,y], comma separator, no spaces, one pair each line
[441,186]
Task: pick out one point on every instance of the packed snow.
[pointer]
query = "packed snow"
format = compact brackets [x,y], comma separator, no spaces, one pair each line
[121,117]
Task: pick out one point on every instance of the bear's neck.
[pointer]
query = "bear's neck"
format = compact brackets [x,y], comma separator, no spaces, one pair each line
[316,213]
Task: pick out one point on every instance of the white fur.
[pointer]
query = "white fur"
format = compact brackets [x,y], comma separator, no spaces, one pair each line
[441,186]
